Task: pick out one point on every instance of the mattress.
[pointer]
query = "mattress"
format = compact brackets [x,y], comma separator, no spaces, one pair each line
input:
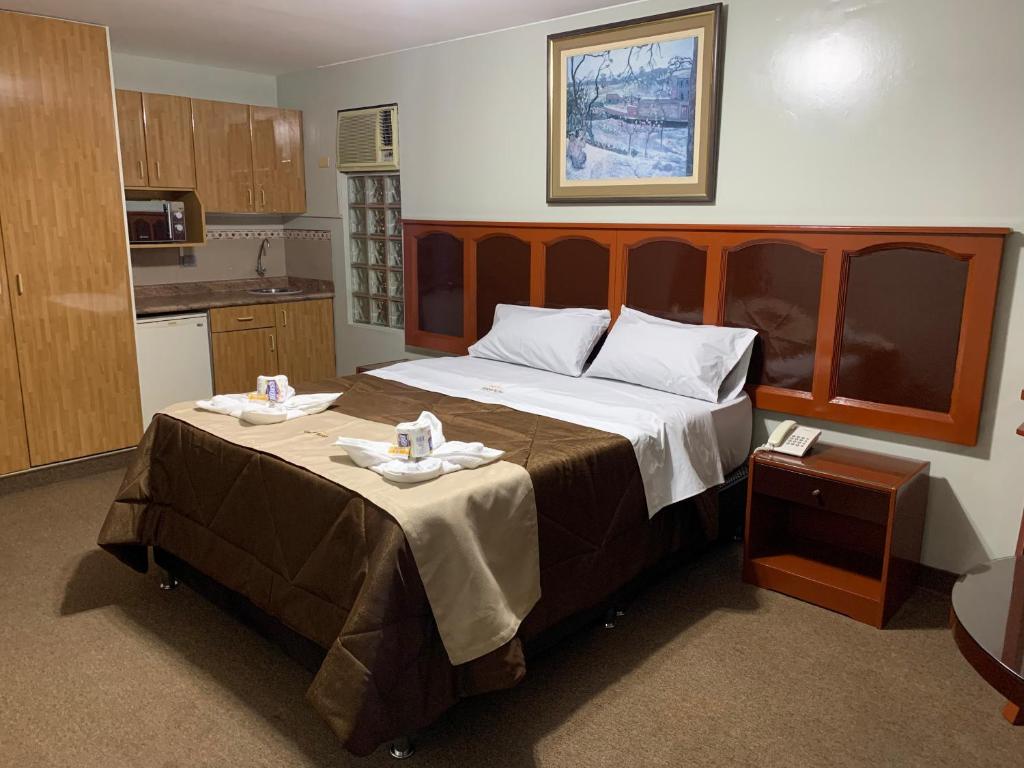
[582,400]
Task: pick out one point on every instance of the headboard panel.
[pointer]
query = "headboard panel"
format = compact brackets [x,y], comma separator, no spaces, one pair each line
[884,327]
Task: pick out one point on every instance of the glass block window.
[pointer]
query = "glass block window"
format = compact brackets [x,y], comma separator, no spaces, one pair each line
[375,249]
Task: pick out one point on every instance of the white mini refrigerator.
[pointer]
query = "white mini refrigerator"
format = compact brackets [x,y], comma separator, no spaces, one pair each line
[174,360]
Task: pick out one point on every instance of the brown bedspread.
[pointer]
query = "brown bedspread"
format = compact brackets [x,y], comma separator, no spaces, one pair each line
[338,570]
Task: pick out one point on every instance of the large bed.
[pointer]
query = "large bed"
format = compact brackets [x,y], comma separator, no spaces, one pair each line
[623,478]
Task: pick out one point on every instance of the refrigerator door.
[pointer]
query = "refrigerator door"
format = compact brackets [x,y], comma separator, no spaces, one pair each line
[174,360]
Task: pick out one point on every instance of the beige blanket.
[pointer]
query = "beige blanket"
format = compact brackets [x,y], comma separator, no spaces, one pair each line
[472,533]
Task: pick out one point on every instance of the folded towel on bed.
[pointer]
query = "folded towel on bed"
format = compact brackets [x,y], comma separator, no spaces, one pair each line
[263,412]
[447,456]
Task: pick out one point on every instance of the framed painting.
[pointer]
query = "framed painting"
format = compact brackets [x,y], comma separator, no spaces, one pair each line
[633,110]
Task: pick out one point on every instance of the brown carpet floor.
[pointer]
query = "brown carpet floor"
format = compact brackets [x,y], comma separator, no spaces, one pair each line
[98,667]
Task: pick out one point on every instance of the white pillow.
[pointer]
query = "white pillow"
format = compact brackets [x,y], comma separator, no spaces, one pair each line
[707,362]
[557,340]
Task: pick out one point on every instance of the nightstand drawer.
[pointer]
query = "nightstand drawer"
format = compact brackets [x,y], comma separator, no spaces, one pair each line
[819,493]
[242,318]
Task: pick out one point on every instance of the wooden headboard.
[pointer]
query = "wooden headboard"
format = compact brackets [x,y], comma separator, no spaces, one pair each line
[883,327]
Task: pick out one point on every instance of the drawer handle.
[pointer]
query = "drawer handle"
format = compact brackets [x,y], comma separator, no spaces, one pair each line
[816,493]
[246,319]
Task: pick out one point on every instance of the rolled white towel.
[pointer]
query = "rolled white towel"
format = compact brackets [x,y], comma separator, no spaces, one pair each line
[447,456]
[262,412]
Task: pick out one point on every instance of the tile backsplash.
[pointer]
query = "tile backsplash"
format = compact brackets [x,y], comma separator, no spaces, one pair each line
[230,254]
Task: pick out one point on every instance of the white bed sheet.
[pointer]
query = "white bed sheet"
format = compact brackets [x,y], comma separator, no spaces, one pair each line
[683,446]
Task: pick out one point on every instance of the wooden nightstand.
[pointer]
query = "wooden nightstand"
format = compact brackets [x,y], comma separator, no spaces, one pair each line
[839,528]
[375,366]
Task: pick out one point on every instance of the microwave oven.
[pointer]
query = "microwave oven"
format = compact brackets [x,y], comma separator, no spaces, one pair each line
[155,221]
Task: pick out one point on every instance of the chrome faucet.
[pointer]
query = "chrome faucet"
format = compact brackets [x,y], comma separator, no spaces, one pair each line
[260,269]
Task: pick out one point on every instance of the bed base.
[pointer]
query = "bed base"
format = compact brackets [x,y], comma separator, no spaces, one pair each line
[732,498]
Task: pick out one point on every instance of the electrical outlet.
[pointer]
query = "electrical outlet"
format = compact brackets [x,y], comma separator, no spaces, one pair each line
[187,258]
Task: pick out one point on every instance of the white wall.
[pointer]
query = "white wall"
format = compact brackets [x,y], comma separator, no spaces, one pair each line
[834,112]
[141,73]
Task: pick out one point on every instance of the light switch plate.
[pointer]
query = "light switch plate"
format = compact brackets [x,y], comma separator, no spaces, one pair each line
[324,162]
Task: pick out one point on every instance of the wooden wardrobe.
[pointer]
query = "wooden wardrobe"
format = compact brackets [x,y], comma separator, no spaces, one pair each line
[69,383]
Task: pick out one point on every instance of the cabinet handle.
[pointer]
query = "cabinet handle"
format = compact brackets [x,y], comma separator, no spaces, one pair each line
[273,346]
[248,193]
[284,318]
[816,493]
[246,319]
[263,197]
[158,169]
[142,171]
[20,285]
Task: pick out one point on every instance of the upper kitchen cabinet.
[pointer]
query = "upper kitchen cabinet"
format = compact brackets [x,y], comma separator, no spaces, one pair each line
[156,140]
[223,142]
[131,126]
[278,173]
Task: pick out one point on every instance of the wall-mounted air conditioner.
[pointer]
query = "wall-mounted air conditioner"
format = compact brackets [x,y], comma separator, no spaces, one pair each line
[368,139]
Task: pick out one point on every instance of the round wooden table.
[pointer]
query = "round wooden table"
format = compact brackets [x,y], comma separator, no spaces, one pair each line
[988,626]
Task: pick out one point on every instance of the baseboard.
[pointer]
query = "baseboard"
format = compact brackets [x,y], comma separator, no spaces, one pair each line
[65,470]
[936,579]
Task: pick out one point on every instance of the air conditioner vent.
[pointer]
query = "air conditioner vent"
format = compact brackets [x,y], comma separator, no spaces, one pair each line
[368,139]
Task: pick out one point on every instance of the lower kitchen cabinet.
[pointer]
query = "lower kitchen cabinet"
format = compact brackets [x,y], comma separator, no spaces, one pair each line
[305,332]
[240,356]
[295,338]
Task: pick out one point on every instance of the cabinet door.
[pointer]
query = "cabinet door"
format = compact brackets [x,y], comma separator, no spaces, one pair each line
[13,438]
[63,230]
[240,356]
[131,127]
[223,156]
[277,160]
[169,146]
[306,340]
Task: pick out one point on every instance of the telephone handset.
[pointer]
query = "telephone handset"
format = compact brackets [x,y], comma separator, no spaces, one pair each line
[789,437]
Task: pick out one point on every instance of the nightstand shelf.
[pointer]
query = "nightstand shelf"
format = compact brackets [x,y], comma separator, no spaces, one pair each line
[838,528]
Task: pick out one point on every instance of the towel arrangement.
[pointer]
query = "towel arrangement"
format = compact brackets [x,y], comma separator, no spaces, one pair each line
[394,461]
[280,405]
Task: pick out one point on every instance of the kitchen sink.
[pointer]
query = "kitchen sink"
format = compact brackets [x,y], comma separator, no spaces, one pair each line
[275,291]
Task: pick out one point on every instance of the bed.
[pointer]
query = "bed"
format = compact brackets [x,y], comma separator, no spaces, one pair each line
[332,567]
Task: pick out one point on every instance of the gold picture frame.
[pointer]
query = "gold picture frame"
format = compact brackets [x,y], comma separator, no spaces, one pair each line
[633,110]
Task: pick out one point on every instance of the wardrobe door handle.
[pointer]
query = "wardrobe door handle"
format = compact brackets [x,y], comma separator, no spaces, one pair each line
[20,285]
[142,171]
[158,169]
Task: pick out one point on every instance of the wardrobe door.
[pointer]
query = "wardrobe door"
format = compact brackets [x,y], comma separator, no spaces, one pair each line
[64,236]
[223,156]
[13,439]
[169,147]
[131,128]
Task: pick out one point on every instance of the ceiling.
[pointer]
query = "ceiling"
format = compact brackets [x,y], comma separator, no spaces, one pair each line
[278,36]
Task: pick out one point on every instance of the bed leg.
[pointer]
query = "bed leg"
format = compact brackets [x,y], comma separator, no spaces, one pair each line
[167,581]
[609,617]
[401,748]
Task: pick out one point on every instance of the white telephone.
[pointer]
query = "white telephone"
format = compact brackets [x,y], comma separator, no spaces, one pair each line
[791,438]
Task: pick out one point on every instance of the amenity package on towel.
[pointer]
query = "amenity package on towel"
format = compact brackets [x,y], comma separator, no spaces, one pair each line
[473,534]
[447,455]
[673,436]
[264,412]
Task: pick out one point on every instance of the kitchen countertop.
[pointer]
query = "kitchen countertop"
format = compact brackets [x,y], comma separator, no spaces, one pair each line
[188,297]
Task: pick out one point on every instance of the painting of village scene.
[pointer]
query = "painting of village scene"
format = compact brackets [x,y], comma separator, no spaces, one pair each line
[633,110]
[629,111]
